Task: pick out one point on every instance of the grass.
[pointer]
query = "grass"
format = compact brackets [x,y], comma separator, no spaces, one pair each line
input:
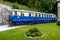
[50,30]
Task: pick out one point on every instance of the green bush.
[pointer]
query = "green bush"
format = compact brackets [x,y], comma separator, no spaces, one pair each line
[28,33]
[58,23]
[33,32]
[16,6]
[38,33]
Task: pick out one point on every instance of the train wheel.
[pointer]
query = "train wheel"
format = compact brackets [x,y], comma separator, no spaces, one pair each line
[18,23]
[22,23]
[10,23]
[30,23]
[14,23]
[50,21]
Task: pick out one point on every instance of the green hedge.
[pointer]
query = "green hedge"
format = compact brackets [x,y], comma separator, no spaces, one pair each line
[58,23]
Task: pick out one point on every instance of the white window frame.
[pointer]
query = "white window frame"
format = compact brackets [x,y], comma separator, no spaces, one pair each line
[19,13]
[43,15]
[13,13]
[37,14]
[22,13]
[53,16]
[32,14]
[29,14]
[40,15]
[26,14]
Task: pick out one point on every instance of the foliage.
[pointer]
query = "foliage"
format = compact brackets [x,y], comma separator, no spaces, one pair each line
[33,32]
[11,0]
[58,23]
[41,5]
[15,6]
[34,29]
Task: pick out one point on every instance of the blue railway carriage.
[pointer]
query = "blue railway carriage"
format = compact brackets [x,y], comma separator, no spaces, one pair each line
[29,17]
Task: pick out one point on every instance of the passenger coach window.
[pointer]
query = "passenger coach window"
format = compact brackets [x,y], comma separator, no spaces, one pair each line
[36,15]
[26,14]
[15,12]
[29,14]
[32,14]
[19,13]
[39,15]
[42,15]
[49,16]
[22,14]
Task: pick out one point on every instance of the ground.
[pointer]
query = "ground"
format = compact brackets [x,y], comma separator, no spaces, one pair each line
[51,32]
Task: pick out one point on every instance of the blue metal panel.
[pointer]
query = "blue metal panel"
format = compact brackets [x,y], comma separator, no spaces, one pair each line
[25,18]
[20,18]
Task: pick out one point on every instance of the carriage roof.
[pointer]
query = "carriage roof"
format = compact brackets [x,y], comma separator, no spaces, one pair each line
[30,11]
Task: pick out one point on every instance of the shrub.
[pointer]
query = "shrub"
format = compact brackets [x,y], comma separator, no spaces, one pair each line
[28,33]
[58,23]
[33,32]
[16,6]
[38,33]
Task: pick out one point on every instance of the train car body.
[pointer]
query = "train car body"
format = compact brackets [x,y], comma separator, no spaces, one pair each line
[29,17]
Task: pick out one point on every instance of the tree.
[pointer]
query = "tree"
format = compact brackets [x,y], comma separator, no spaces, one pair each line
[41,5]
